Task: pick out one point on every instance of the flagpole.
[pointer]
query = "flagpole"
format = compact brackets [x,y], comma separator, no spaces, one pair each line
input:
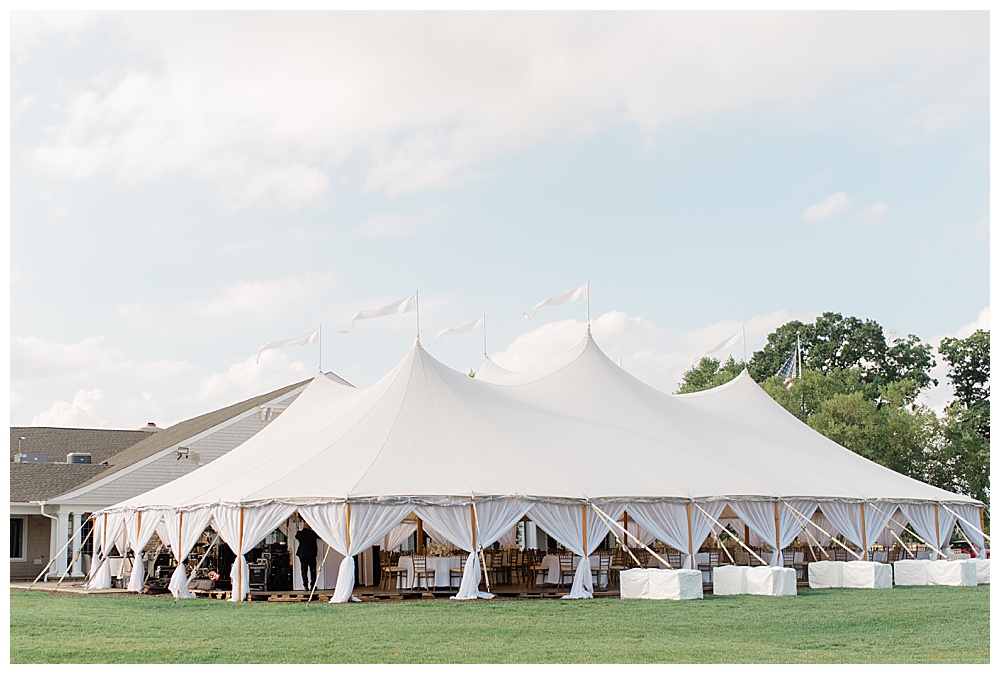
[588,305]
[745,366]
[321,348]
[416,296]
[484,335]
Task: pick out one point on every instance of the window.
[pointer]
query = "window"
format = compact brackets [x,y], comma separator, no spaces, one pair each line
[17,539]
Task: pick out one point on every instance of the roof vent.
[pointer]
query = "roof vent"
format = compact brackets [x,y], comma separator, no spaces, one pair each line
[150,428]
[78,457]
[25,457]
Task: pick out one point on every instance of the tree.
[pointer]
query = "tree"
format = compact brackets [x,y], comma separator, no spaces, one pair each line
[709,373]
[834,342]
[969,360]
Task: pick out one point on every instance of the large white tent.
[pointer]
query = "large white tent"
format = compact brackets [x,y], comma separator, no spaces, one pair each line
[571,444]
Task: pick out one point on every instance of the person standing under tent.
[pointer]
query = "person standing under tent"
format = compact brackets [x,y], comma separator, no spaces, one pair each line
[306,551]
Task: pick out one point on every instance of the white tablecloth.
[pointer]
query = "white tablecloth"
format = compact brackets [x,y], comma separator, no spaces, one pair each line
[771,581]
[871,575]
[936,572]
[982,571]
[441,566]
[661,584]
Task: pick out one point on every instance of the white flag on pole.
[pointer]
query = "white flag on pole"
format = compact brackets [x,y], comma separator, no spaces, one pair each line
[474,326]
[308,338]
[726,343]
[403,306]
[580,293]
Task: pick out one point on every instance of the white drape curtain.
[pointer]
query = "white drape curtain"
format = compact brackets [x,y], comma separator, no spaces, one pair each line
[108,529]
[368,523]
[180,531]
[258,522]
[508,539]
[139,528]
[669,523]
[791,523]
[493,518]
[921,518]
[759,517]
[822,525]
[565,524]
[398,535]
[98,567]
[896,523]
[846,517]
[736,524]
[970,526]
[637,532]
[437,536]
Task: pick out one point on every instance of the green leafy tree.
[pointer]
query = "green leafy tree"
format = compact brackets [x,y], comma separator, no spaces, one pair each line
[709,373]
[834,342]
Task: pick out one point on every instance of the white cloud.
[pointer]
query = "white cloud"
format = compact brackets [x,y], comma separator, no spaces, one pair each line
[242,302]
[84,411]
[261,107]
[834,204]
[247,378]
[391,225]
[263,300]
[647,352]
[937,398]
[116,391]
[869,215]
[821,178]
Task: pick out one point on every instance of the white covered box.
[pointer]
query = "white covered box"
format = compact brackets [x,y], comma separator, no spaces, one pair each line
[911,571]
[729,580]
[661,584]
[773,581]
[982,571]
[825,574]
[952,572]
[870,575]
[763,580]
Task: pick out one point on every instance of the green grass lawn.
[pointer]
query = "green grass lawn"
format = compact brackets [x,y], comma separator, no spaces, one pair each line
[902,625]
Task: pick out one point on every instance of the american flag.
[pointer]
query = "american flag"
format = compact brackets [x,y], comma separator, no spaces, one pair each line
[788,372]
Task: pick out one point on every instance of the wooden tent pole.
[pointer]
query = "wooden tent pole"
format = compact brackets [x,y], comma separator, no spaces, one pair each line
[584,530]
[691,559]
[937,529]
[864,533]
[475,541]
[348,517]
[777,534]
[239,559]
[420,536]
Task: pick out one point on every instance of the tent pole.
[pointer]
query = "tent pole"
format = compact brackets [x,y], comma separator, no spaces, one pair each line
[937,529]
[777,535]
[239,561]
[420,536]
[54,558]
[691,560]
[864,532]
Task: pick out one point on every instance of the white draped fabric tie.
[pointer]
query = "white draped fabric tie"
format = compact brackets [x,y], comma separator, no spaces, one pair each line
[565,524]
[350,529]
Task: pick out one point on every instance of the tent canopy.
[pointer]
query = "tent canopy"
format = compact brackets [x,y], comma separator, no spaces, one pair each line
[578,428]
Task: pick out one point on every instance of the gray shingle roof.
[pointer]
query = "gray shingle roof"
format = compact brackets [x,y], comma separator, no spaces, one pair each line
[42,481]
[119,449]
[101,443]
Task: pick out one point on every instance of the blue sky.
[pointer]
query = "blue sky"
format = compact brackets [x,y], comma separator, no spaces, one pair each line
[188,186]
